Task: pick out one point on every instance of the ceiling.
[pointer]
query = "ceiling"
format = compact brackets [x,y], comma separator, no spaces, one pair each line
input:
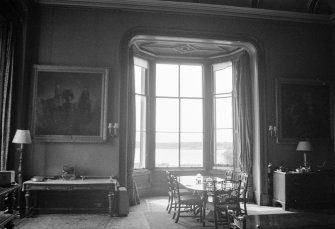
[324,7]
[308,11]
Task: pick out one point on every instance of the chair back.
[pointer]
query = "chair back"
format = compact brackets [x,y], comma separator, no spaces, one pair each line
[244,177]
[169,182]
[243,196]
[226,194]
[175,187]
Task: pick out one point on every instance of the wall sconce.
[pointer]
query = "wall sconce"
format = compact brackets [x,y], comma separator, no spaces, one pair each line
[113,129]
[273,131]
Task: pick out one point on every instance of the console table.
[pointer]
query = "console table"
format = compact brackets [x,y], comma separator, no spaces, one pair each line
[309,189]
[108,185]
[6,217]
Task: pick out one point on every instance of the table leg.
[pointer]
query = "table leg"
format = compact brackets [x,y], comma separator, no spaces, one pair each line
[27,195]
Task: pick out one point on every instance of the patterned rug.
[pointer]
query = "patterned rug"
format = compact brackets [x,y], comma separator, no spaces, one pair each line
[65,221]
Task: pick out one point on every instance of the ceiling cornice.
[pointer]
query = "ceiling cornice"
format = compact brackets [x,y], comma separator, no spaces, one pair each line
[196,8]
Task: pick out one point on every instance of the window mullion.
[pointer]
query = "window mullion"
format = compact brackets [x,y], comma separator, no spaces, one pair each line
[179,134]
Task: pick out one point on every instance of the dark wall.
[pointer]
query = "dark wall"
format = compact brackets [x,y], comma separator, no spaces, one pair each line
[93,37]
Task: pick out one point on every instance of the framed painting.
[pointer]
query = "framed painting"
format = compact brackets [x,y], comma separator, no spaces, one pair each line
[69,104]
[303,111]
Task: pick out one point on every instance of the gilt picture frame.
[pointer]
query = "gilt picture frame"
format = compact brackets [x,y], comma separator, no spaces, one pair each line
[303,111]
[69,104]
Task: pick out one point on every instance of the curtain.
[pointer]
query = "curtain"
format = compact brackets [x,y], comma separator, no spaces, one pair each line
[128,130]
[243,110]
[6,87]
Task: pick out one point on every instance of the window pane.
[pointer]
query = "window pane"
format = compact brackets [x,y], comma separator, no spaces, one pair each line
[223,112]
[191,115]
[167,80]
[190,81]
[140,146]
[224,147]
[139,80]
[191,150]
[167,148]
[140,113]
[167,115]
[223,80]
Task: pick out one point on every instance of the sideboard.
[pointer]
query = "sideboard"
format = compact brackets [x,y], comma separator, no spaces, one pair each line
[66,186]
[303,190]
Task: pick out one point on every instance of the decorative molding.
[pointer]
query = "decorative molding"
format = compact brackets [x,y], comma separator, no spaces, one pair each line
[332,18]
[195,8]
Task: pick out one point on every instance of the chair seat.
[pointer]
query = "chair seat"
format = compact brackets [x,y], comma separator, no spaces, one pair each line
[210,206]
[190,199]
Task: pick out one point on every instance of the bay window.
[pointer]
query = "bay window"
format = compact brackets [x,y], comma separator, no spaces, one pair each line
[179,118]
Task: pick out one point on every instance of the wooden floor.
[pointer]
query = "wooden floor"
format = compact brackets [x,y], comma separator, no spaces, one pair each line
[150,214]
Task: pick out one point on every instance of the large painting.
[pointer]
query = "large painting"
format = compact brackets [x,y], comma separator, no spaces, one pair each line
[69,104]
[303,110]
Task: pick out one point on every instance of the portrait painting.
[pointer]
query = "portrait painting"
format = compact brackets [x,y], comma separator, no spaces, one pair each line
[303,111]
[69,104]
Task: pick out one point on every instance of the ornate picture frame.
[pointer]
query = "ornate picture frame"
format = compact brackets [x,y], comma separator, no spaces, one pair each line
[69,104]
[303,111]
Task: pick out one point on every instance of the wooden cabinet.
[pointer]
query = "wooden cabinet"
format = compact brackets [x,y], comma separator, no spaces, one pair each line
[301,190]
[107,187]
[7,194]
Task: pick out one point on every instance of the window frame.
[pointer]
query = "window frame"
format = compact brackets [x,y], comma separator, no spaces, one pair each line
[144,65]
[214,95]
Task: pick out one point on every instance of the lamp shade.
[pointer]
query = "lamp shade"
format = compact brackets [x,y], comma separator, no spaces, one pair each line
[305,146]
[22,137]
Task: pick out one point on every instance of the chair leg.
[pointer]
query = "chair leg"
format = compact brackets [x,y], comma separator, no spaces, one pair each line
[215,220]
[178,213]
[245,208]
[168,205]
[171,204]
[175,210]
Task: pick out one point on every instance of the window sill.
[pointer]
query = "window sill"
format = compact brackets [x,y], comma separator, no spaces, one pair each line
[141,172]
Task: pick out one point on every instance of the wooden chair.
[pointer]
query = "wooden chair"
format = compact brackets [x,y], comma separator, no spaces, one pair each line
[170,191]
[243,199]
[225,196]
[236,215]
[185,203]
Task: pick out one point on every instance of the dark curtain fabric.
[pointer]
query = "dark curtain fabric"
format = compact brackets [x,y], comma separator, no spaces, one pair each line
[6,87]
[128,130]
[243,110]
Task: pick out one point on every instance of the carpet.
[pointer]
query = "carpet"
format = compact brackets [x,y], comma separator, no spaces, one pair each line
[150,214]
[68,221]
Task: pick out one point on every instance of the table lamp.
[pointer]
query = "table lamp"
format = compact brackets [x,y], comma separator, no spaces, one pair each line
[21,137]
[304,146]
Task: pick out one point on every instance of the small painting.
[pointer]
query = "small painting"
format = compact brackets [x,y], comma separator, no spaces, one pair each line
[69,104]
[303,110]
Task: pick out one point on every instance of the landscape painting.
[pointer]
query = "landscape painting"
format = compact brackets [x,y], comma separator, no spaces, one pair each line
[303,111]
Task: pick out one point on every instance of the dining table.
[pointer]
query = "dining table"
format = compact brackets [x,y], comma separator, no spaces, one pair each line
[201,184]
